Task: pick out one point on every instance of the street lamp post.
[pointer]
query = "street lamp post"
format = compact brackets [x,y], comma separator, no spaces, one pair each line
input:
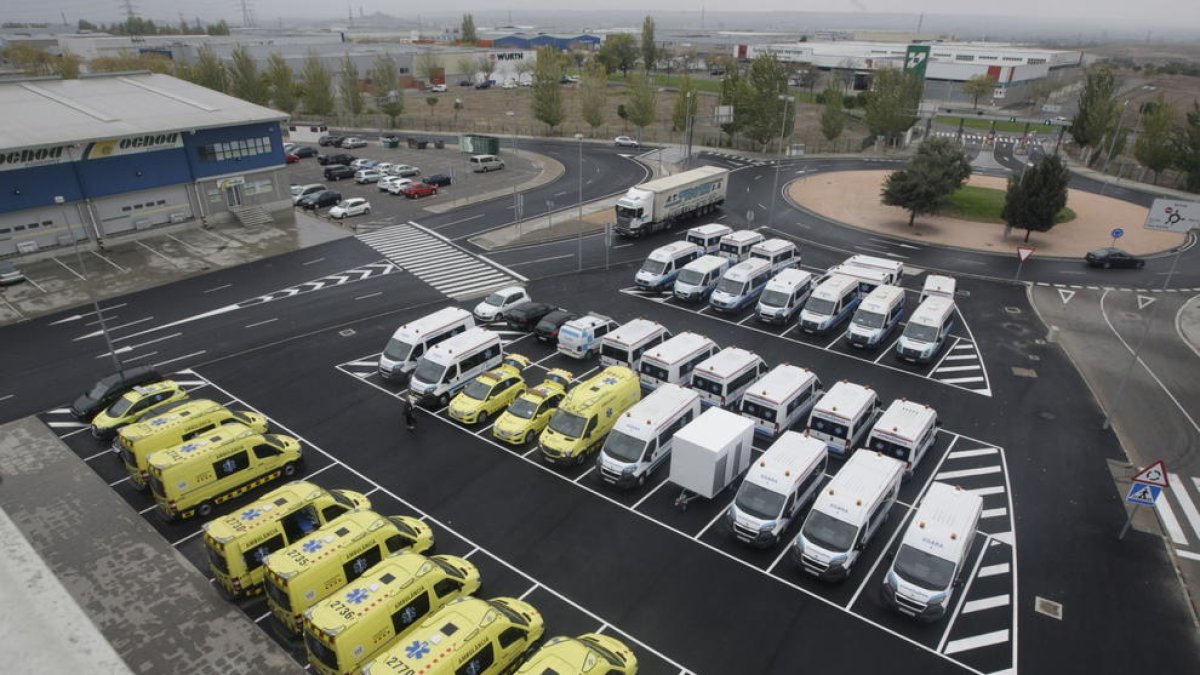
[579,141]
[516,196]
[87,282]
[1113,145]
[687,130]
[782,130]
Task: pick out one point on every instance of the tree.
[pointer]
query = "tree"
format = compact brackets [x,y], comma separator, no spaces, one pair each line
[385,77]
[979,86]
[649,49]
[68,65]
[349,88]
[805,75]
[891,107]
[833,118]
[466,66]
[210,72]
[762,109]
[154,63]
[427,67]
[486,67]
[547,101]
[933,174]
[318,87]
[619,52]
[431,101]
[1036,195]
[643,102]
[218,28]
[1097,113]
[1187,148]
[524,71]
[468,34]
[85,25]
[245,82]
[593,94]
[281,83]
[735,90]
[687,100]
[1154,147]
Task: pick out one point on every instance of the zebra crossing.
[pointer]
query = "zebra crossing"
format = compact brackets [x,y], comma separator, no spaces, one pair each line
[1179,514]
[433,259]
[962,367]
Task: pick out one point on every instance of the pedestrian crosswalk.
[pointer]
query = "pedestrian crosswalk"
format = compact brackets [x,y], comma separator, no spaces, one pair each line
[1182,526]
[962,367]
[435,260]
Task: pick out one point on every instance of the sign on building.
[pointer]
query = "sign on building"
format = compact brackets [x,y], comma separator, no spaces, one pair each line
[916,59]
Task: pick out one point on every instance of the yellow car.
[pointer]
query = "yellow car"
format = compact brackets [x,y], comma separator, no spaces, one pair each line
[137,404]
[491,392]
[531,412]
[588,654]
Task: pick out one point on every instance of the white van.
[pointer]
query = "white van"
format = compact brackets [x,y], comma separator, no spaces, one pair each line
[780,398]
[485,163]
[846,515]
[450,365]
[740,286]
[784,295]
[936,284]
[933,553]
[723,377]
[829,304]
[698,278]
[868,278]
[641,439]
[708,237]
[580,338]
[413,339]
[876,317]
[736,245]
[662,266]
[906,431]
[894,268]
[625,345]
[672,362]
[776,488]
[926,330]
[781,253]
[843,416]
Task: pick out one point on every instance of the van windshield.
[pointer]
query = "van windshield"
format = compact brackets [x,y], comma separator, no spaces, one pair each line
[654,266]
[775,298]
[869,319]
[624,447]
[568,423]
[888,448]
[429,372]
[397,350]
[828,532]
[920,332]
[523,408]
[820,306]
[757,501]
[727,285]
[923,569]
[690,277]
[836,429]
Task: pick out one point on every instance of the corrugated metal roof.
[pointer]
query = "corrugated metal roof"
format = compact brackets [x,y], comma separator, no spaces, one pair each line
[46,112]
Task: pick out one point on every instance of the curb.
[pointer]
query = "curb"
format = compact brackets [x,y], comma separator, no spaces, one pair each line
[551,170]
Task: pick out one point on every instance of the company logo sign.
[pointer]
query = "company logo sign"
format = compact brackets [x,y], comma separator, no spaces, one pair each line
[31,157]
[134,144]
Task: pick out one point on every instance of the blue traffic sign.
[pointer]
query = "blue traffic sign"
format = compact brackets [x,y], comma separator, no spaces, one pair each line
[1141,493]
[1117,233]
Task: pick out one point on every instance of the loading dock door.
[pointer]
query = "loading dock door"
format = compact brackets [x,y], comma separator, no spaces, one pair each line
[143,209]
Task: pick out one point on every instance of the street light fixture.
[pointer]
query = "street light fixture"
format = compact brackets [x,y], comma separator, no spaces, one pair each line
[782,130]
[87,281]
[579,142]
[516,196]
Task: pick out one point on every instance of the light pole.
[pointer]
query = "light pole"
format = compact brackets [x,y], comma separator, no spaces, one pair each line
[516,196]
[687,130]
[1113,145]
[87,282]
[579,141]
[782,130]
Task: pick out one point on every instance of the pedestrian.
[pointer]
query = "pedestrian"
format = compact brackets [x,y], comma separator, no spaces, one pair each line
[410,413]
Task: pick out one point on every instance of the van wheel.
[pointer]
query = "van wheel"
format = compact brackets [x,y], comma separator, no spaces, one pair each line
[289,469]
[482,419]
[204,510]
[641,480]
[444,400]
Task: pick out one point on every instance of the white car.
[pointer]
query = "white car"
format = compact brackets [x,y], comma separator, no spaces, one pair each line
[383,168]
[353,142]
[289,148]
[438,88]
[367,176]
[626,142]
[397,184]
[386,182]
[356,206]
[360,163]
[495,305]
[406,170]
[510,84]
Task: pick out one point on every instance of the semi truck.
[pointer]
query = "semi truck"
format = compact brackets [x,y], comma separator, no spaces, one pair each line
[660,204]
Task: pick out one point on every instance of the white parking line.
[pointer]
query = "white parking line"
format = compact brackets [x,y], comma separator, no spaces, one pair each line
[986,603]
[157,253]
[963,473]
[720,514]
[648,493]
[139,357]
[979,452]
[189,537]
[994,513]
[148,509]
[64,266]
[977,641]
[313,261]
[966,593]
[369,295]
[260,323]
[180,358]
[110,262]
[585,474]
[320,470]
[218,288]
[527,592]
[106,451]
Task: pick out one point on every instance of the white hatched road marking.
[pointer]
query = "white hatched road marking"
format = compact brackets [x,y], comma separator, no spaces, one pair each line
[985,491]
[955,369]
[976,641]
[1179,489]
[1167,515]
[994,513]
[449,269]
[963,473]
[986,603]
[963,454]
[993,570]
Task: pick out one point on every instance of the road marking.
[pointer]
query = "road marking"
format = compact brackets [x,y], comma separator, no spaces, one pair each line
[961,380]
[1167,515]
[102,453]
[189,537]
[118,482]
[369,295]
[986,603]
[35,284]
[960,357]
[963,454]
[994,513]
[66,425]
[260,323]
[1187,554]
[985,491]
[183,243]
[142,344]
[955,369]
[1185,502]
[313,261]
[963,473]
[977,641]
[541,260]
[110,262]
[993,570]
[6,397]
[131,359]
[157,253]
[180,358]
[64,265]
[211,290]
[456,222]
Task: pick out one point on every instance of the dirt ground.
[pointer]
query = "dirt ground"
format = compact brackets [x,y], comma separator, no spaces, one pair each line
[852,197]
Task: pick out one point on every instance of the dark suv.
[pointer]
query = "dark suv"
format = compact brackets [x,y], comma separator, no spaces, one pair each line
[437,179]
[319,200]
[338,172]
[527,314]
[339,158]
[330,140]
[547,329]
[110,389]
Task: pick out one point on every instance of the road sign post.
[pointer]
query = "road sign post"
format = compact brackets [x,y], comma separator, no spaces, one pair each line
[1145,490]
[1117,233]
[1023,253]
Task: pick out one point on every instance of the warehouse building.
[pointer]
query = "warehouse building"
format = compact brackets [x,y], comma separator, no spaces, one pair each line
[100,159]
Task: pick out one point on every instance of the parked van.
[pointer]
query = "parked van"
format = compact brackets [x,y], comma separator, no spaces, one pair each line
[905,431]
[830,303]
[192,478]
[412,340]
[781,398]
[740,286]
[309,570]
[781,253]
[625,345]
[941,286]
[580,338]
[469,635]
[846,515]
[843,416]
[485,163]
[662,266]
[894,268]
[868,278]
[698,278]
[876,317]
[781,483]
[237,544]
[723,377]
[450,365]
[926,330]
[344,631]
[784,295]
[136,442]
[641,439]
[736,245]
[933,552]
[587,414]
[673,361]
[708,237]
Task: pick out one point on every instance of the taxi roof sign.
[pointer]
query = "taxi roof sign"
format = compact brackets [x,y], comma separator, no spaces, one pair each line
[1155,474]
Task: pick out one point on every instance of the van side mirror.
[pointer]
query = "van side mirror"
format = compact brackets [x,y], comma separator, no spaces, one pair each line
[891,555]
[938,422]
[958,582]
[858,546]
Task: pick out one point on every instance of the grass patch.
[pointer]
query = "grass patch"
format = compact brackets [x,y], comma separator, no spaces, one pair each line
[1002,126]
[985,205]
[660,80]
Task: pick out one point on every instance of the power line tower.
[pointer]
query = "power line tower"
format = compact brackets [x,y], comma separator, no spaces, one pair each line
[128,8]
[247,13]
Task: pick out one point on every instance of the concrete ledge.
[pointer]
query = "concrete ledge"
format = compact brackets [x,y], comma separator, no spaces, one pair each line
[549,170]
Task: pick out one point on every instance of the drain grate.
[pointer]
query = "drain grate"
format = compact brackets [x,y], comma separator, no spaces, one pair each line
[346,332]
[1024,372]
[1050,608]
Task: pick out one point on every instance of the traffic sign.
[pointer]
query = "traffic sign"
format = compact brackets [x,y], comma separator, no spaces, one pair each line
[1048,123]
[1155,474]
[1143,494]
[1173,215]
[1023,252]
[1012,119]
[1117,233]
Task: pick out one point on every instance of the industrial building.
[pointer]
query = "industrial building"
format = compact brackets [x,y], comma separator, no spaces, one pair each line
[99,159]
[561,43]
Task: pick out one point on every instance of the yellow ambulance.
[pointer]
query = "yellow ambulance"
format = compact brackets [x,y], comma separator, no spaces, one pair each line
[588,654]
[587,414]
[238,543]
[137,404]
[470,635]
[348,628]
[308,571]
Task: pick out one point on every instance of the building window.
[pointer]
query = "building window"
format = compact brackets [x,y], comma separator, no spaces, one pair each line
[220,152]
[1036,62]
[964,57]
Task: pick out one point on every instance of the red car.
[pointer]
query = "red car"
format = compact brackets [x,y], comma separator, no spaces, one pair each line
[419,190]
[291,158]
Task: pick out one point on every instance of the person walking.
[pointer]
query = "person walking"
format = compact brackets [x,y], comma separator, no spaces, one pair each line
[410,414]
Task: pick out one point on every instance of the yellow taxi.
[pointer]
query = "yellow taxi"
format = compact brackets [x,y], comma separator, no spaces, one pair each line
[531,412]
[138,403]
[491,392]
[588,654]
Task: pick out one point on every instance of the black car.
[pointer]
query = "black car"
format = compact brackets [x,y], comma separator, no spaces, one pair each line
[547,329]
[111,388]
[329,140]
[339,171]
[338,158]
[1113,257]
[437,179]
[319,200]
[304,151]
[486,84]
[465,83]
[527,314]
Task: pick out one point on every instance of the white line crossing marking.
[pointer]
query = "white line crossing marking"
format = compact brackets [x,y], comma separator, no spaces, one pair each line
[985,491]
[66,425]
[955,369]
[994,513]
[1170,523]
[993,570]
[450,270]
[986,603]
[1179,488]
[963,473]
[960,357]
[979,452]
[960,380]
[976,641]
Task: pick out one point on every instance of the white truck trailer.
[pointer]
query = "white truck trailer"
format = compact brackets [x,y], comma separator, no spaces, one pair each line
[710,453]
[659,204]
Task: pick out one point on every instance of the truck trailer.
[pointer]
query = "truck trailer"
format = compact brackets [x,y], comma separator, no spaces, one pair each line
[660,204]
